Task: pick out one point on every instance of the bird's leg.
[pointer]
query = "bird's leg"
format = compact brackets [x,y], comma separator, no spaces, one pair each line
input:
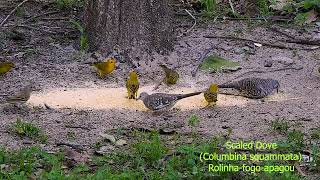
[207,106]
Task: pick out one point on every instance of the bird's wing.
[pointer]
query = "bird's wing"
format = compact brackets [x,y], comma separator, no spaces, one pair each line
[162,100]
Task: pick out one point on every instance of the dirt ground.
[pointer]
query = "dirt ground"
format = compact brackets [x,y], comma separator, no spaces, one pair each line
[77,97]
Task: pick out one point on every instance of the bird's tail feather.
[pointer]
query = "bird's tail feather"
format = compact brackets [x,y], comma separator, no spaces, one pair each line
[181,96]
[227,85]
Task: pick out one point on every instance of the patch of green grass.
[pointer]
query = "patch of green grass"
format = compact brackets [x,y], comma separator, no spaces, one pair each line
[296,140]
[27,161]
[210,6]
[149,156]
[280,125]
[69,4]
[315,163]
[26,129]
[20,12]
[263,7]
[311,4]
[151,149]
[315,134]
[193,121]
[84,40]
[301,18]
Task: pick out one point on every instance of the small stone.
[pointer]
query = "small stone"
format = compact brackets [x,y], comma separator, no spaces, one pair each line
[111,138]
[105,149]
[283,60]
[268,63]
[121,142]
[224,127]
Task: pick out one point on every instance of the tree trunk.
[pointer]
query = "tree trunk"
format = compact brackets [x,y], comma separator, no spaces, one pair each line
[137,26]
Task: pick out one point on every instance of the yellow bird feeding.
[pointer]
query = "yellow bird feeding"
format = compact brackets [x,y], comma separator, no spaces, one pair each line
[105,68]
[211,94]
[5,67]
[132,85]
[171,76]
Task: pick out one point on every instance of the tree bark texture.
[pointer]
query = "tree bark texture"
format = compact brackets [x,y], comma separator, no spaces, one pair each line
[134,25]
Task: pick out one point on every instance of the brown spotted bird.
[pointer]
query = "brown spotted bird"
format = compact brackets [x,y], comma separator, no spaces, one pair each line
[22,96]
[211,94]
[105,68]
[171,76]
[162,101]
[132,85]
[254,88]
[5,67]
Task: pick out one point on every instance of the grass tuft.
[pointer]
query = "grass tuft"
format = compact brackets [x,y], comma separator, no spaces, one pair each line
[25,129]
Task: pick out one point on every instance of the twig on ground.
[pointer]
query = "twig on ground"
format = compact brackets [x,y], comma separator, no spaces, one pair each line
[263,43]
[40,15]
[37,29]
[281,32]
[298,168]
[56,19]
[272,18]
[195,21]
[231,5]
[201,59]
[14,10]
[77,127]
[77,147]
[304,42]
[296,40]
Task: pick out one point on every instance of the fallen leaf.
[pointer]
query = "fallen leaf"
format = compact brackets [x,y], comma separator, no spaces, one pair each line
[216,63]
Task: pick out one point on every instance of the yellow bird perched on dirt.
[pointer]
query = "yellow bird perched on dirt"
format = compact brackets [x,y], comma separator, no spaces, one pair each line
[171,76]
[105,68]
[211,94]
[132,85]
[5,67]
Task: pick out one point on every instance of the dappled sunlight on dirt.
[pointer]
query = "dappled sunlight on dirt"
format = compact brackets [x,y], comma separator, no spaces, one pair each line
[115,98]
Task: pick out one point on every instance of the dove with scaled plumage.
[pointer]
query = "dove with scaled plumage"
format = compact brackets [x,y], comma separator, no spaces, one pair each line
[162,101]
[254,88]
